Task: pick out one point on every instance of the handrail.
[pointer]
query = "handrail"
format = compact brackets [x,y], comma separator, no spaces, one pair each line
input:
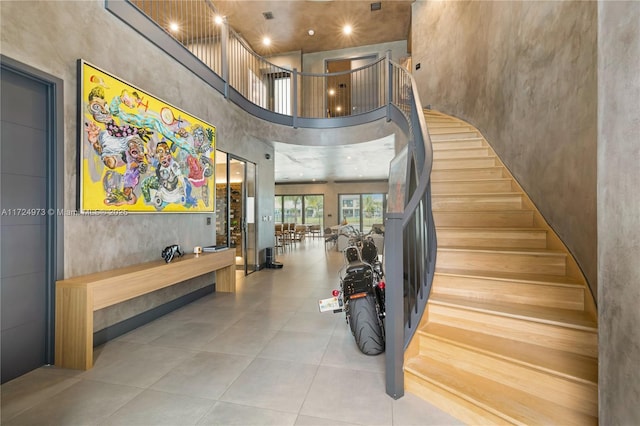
[410,238]
[383,89]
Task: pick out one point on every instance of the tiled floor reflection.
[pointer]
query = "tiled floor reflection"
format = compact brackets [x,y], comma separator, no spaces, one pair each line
[261,356]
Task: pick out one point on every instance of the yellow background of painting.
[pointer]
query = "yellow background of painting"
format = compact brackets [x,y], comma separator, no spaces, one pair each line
[93,194]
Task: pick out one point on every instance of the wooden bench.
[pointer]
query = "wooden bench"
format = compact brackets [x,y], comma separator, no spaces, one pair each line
[77,298]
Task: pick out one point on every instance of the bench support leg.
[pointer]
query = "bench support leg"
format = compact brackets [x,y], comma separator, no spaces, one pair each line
[74,328]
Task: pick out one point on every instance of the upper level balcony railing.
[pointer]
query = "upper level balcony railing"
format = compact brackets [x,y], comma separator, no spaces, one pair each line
[377,90]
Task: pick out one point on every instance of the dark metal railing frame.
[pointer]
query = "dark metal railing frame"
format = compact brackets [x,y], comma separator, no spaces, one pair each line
[400,226]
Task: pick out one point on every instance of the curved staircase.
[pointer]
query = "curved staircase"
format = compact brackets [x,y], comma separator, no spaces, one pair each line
[509,335]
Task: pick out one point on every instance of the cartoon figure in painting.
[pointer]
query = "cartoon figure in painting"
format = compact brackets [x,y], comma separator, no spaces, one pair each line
[200,167]
[114,191]
[136,164]
[112,143]
[169,184]
[146,121]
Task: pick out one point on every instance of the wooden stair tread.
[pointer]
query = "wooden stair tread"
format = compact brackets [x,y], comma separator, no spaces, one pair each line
[573,366]
[540,279]
[554,316]
[481,194]
[480,180]
[536,251]
[484,217]
[503,401]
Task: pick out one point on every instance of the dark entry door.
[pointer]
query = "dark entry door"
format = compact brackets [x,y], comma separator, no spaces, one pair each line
[23,202]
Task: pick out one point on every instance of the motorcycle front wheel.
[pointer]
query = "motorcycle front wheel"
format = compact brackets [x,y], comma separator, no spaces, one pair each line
[365,325]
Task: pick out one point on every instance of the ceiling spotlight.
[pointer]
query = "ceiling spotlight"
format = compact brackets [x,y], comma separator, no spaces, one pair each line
[174,27]
[347,29]
[311,32]
[218,19]
[266,41]
[338,108]
[332,92]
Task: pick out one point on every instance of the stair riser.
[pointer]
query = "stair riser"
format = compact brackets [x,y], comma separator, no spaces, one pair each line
[451,123]
[464,163]
[500,261]
[569,393]
[494,202]
[497,219]
[492,238]
[460,153]
[550,335]
[449,402]
[449,135]
[508,291]
[471,187]
[458,144]
[466,174]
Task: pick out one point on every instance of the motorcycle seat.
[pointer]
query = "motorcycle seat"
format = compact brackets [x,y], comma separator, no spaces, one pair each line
[357,267]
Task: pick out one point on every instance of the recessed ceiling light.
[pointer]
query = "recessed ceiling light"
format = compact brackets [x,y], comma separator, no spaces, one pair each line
[332,92]
[311,32]
[266,41]
[218,19]
[347,29]
[174,27]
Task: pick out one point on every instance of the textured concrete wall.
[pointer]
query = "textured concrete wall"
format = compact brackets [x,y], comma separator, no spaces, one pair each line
[619,211]
[51,36]
[524,73]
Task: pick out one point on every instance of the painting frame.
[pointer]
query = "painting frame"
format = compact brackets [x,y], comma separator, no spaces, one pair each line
[138,153]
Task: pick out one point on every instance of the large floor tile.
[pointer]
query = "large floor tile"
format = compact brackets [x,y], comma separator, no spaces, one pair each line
[159,408]
[274,319]
[312,322]
[224,414]
[33,388]
[272,384]
[205,375]
[296,346]
[141,367]
[353,396]
[413,411]
[150,331]
[241,339]
[317,421]
[191,335]
[84,403]
[343,352]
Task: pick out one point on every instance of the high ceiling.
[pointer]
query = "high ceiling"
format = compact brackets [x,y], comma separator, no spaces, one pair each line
[292,19]
[288,31]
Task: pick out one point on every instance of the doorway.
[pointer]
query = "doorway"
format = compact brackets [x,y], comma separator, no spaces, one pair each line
[235,209]
[31,226]
[351,93]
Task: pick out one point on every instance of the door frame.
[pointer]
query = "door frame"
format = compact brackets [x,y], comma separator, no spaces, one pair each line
[250,265]
[55,187]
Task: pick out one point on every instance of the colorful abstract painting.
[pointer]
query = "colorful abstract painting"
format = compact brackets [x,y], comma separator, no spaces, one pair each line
[138,153]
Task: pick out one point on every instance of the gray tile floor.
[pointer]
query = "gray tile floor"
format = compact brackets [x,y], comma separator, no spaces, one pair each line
[261,356]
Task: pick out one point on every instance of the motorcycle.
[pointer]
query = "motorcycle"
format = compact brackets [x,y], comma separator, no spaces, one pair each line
[362,294]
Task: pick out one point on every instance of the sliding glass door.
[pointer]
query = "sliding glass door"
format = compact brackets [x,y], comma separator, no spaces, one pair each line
[362,211]
[300,209]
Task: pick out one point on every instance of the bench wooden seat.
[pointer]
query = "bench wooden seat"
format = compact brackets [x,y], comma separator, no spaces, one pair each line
[78,297]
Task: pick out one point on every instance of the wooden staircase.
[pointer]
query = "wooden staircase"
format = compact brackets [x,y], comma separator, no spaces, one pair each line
[509,335]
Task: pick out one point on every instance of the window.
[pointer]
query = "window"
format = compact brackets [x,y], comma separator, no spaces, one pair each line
[307,209]
[362,210]
[292,206]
